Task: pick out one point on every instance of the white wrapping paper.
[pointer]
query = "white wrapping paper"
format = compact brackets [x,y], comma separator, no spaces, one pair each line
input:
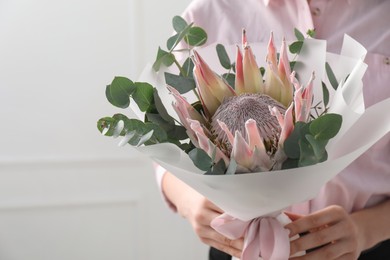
[251,195]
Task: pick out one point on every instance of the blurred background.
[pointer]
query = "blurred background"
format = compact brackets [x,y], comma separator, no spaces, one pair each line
[66,192]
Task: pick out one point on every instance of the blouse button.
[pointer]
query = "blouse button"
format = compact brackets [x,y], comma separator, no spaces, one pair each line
[316,11]
[386,60]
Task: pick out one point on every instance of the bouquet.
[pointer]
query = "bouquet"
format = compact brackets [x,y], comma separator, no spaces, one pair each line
[288,137]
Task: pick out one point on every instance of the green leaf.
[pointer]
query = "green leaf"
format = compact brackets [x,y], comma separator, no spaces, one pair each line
[187,147]
[230,78]
[290,164]
[178,23]
[325,94]
[292,64]
[217,169]
[198,106]
[262,71]
[326,127]
[174,40]
[291,144]
[223,56]
[137,131]
[158,120]
[178,132]
[180,83]
[141,129]
[311,33]
[118,93]
[161,108]
[296,47]
[200,159]
[299,35]
[196,36]
[318,148]
[188,67]
[163,57]
[331,76]
[159,135]
[144,138]
[143,95]
[106,124]
[307,154]
[296,64]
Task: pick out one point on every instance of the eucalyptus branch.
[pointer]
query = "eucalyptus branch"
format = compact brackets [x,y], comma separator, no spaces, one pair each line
[182,71]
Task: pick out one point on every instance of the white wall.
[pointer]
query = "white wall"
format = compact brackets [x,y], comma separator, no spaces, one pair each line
[66,192]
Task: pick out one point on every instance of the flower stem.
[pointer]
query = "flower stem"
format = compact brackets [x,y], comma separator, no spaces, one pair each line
[182,71]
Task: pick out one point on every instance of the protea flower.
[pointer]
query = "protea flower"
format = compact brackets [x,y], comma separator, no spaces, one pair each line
[251,122]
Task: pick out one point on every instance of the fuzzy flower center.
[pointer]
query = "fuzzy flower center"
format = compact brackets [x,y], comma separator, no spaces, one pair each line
[235,111]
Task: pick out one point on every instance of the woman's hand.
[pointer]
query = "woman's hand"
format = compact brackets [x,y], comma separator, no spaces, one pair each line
[330,233]
[199,212]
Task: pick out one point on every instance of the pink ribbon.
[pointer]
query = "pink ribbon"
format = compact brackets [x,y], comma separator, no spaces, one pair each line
[265,237]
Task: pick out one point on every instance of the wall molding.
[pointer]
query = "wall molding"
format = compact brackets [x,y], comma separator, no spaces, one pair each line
[76,161]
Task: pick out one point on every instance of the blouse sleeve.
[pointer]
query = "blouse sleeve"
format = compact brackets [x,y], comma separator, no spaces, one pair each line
[160,172]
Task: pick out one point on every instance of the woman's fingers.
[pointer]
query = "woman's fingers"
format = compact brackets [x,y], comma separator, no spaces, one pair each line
[292,216]
[332,251]
[321,237]
[209,233]
[200,217]
[318,219]
[328,234]
[231,250]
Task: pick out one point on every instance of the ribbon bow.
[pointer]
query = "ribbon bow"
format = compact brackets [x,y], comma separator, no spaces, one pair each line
[264,236]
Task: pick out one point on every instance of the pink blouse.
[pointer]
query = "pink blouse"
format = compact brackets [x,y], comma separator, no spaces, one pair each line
[365,182]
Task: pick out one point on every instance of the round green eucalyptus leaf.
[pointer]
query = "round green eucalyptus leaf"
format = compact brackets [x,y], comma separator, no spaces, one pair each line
[178,23]
[326,127]
[331,76]
[296,47]
[143,95]
[196,36]
[118,93]
[201,159]
[291,145]
[230,79]
[188,67]
[223,56]
[325,94]
[299,35]
[172,41]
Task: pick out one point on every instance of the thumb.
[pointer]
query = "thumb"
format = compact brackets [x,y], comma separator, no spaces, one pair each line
[292,216]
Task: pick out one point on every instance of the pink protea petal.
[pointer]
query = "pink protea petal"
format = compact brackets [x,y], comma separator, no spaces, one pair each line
[284,63]
[261,160]
[205,143]
[252,77]
[308,92]
[239,81]
[217,86]
[260,157]
[284,75]
[288,125]
[275,112]
[227,131]
[294,81]
[244,38]
[298,104]
[271,55]
[303,98]
[209,101]
[273,84]
[241,151]
[253,135]
[183,108]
